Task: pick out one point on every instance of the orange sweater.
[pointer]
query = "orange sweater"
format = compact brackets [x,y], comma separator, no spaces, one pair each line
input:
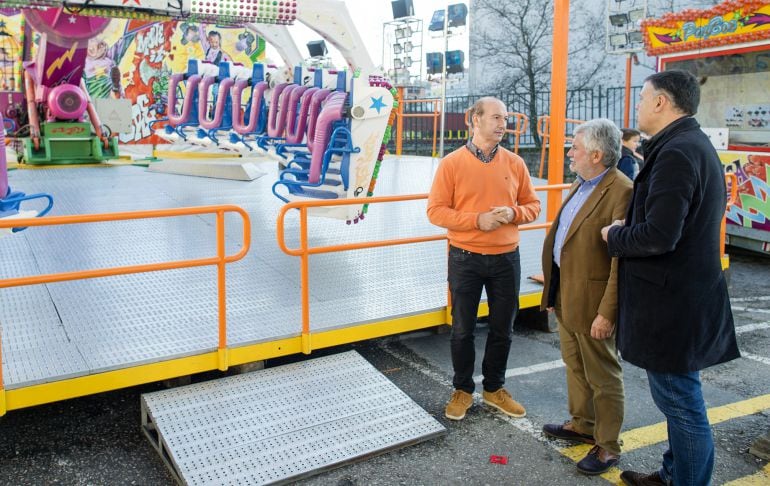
[464,187]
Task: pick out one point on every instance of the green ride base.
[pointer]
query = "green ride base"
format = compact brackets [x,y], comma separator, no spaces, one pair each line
[68,143]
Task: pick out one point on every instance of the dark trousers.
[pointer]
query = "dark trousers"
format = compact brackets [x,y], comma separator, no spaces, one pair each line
[500,275]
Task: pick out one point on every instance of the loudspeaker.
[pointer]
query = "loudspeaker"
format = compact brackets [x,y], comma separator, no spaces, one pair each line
[317,48]
[402,8]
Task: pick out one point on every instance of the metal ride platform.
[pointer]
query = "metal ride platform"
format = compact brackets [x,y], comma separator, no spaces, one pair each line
[61,340]
[282,423]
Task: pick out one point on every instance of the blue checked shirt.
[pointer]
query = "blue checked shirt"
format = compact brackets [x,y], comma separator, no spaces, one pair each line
[570,210]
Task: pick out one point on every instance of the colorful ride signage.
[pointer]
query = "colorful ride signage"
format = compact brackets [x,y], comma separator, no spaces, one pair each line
[731,22]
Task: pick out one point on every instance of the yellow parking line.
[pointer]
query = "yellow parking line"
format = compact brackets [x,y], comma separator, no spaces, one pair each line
[761,478]
[655,433]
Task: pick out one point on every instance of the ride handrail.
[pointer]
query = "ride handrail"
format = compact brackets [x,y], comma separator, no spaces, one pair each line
[544,131]
[304,251]
[220,260]
[400,115]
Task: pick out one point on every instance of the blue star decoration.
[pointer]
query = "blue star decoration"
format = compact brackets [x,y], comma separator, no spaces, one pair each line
[377,104]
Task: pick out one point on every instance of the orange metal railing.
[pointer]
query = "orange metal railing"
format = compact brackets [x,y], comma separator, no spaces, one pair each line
[544,131]
[520,124]
[304,251]
[220,260]
[400,115]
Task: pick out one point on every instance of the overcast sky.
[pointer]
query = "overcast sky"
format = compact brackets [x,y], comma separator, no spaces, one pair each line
[370,15]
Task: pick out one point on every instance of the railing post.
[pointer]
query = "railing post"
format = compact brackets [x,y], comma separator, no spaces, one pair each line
[304,281]
[222,351]
[436,114]
[400,121]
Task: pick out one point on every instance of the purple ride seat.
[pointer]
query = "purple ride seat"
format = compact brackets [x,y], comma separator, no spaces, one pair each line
[276,115]
[192,84]
[297,123]
[257,98]
[203,100]
[331,112]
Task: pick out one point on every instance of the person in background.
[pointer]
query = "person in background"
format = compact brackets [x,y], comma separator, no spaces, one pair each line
[581,287]
[630,161]
[481,193]
[674,315]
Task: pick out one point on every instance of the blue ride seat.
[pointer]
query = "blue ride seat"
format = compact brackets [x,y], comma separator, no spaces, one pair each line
[10,205]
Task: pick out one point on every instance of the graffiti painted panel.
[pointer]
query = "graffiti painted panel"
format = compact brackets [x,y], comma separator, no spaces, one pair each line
[752,209]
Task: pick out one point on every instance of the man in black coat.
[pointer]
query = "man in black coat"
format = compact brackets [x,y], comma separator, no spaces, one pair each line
[674,316]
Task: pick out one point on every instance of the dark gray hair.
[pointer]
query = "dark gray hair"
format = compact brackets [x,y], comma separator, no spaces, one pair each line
[601,135]
[681,87]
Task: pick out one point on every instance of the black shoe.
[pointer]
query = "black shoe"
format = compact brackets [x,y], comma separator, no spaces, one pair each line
[559,432]
[632,478]
[597,461]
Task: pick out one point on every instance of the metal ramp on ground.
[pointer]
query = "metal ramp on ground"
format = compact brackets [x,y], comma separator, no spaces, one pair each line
[283,423]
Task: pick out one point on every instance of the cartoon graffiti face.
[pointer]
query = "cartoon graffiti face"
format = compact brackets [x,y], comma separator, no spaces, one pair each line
[97,48]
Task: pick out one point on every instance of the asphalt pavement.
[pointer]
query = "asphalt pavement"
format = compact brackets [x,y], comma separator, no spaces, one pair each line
[96,440]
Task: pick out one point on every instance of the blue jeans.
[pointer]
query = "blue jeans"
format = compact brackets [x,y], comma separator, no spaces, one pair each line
[469,273]
[689,459]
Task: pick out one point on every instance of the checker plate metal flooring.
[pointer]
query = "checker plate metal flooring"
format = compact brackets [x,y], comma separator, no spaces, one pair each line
[282,423]
[69,329]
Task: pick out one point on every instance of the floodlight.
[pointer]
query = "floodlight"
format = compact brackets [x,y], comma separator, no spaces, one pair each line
[408,46]
[618,40]
[402,8]
[454,61]
[635,37]
[619,20]
[435,62]
[400,33]
[437,21]
[317,48]
[407,62]
[456,14]
[636,15]
[397,49]
[397,64]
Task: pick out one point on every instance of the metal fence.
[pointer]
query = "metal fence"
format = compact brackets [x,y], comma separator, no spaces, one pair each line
[582,104]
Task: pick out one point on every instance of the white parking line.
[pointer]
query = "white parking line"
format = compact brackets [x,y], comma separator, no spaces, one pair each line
[754,357]
[749,299]
[750,309]
[527,370]
[752,327]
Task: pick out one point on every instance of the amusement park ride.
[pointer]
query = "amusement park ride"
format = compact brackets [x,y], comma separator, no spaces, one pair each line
[328,128]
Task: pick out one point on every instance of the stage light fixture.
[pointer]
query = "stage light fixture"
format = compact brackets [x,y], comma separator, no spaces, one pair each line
[317,48]
[407,62]
[397,49]
[636,15]
[457,13]
[635,37]
[434,62]
[437,21]
[618,40]
[408,46]
[619,20]
[398,64]
[455,61]
[402,8]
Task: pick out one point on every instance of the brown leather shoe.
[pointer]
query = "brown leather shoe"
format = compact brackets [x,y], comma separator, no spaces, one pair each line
[503,401]
[597,461]
[633,478]
[459,404]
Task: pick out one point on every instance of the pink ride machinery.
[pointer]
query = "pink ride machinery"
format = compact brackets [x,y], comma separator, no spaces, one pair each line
[57,100]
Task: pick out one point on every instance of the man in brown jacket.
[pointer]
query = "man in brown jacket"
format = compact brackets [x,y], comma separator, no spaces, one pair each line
[581,286]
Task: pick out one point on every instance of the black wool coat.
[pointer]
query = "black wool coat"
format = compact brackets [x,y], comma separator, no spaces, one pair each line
[673,308]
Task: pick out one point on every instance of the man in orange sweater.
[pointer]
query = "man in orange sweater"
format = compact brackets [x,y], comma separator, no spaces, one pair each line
[481,193]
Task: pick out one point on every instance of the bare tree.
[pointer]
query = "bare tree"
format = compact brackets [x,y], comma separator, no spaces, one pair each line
[511,44]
